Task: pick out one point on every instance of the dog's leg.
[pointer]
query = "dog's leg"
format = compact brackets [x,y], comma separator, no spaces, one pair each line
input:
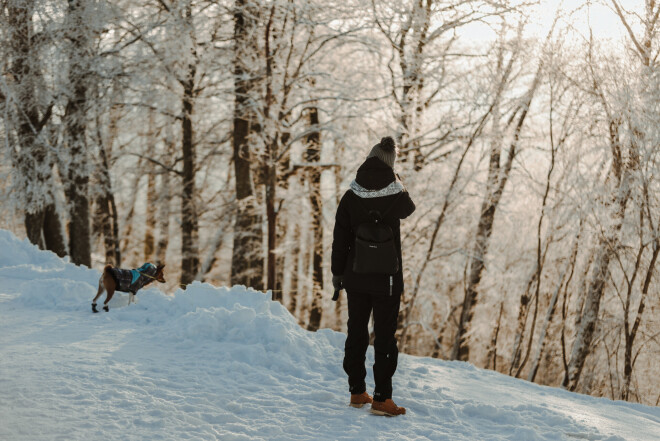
[100,290]
[111,293]
[110,286]
[131,298]
[98,294]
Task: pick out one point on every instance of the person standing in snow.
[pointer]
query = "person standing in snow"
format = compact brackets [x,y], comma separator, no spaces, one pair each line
[376,193]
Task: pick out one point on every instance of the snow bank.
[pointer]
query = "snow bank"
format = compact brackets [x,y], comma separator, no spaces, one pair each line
[21,264]
[238,316]
[230,364]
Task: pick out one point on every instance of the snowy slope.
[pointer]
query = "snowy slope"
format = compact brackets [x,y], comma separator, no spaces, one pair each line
[216,363]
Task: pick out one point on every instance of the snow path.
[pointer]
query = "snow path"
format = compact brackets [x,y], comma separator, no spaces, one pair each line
[229,364]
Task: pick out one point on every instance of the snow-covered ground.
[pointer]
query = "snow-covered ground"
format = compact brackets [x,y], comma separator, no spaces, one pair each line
[216,363]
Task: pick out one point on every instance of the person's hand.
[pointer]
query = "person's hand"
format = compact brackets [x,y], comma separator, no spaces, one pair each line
[338,282]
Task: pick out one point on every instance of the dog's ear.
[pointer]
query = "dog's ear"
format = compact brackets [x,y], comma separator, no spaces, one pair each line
[159,273]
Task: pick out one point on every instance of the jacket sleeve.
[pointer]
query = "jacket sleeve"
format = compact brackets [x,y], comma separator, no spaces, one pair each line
[342,238]
[407,206]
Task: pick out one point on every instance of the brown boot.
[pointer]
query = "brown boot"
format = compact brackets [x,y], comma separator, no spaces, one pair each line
[387,408]
[359,400]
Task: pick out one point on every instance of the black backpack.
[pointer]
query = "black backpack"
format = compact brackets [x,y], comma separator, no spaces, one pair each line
[375,249]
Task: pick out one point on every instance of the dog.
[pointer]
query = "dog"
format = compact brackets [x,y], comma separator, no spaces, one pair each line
[130,281]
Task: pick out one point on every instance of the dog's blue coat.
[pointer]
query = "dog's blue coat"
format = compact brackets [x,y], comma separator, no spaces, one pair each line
[133,280]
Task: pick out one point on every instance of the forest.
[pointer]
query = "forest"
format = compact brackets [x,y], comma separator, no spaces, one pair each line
[218,136]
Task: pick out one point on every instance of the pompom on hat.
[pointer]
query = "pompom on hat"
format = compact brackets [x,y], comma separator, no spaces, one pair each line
[385,150]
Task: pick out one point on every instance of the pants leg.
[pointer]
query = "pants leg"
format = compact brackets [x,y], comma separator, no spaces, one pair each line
[357,340]
[386,312]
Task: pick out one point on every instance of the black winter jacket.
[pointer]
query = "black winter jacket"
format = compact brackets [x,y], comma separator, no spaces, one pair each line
[376,187]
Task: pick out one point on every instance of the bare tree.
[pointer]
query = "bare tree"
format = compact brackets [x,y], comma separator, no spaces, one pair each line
[106,208]
[247,258]
[518,360]
[498,175]
[77,167]
[32,155]
[552,307]
[421,35]
[189,217]
[625,151]
[164,211]
[313,156]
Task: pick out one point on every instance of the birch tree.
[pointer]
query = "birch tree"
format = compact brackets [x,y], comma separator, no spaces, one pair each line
[626,140]
[247,258]
[77,163]
[24,94]
[422,35]
[498,175]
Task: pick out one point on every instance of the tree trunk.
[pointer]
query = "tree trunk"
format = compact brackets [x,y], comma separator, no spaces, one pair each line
[163,221]
[294,259]
[523,311]
[271,220]
[189,222]
[41,222]
[535,280]
[130,249]
[629,360]
[34,225]
[408,307]
[247,256]
[305,288]
[105,224]
[492,350]
[77,190]
[410,47]
[461,350]
[552,307]
[644,47]
[484,229]
[609,240]
[106,221]
[106,214]
[270,168]
[313,155]
[53,238]
[283,177]
[339,149]
[497,178]
[151,207]
[589,317]
[152,196]
[214,246]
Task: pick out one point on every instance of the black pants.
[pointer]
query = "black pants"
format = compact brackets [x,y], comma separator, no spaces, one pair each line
[386,311]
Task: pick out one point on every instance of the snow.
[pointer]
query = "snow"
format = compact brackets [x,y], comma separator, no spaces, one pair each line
[230,364]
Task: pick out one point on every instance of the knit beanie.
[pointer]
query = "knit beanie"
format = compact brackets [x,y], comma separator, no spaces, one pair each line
[385,150]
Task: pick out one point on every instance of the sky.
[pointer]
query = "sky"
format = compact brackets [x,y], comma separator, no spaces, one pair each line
[579,13]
